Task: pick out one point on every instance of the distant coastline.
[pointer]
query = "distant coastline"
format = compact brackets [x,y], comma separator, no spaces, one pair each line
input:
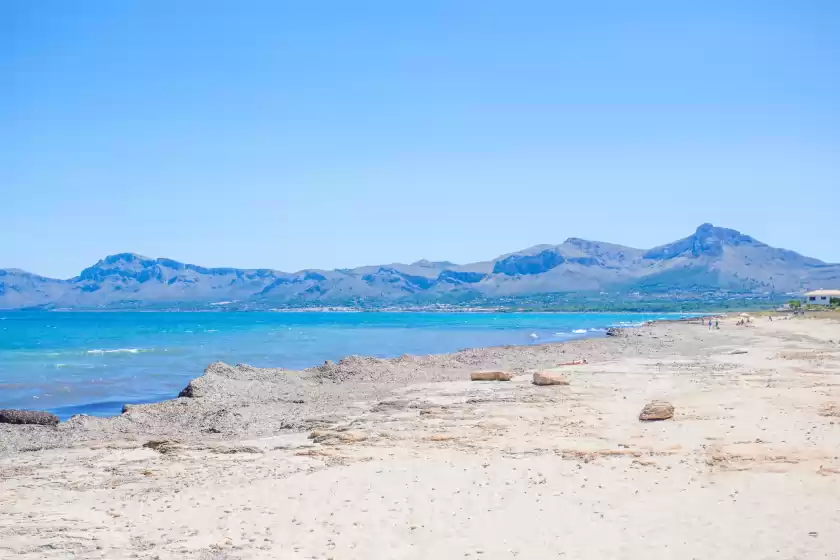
[734,303]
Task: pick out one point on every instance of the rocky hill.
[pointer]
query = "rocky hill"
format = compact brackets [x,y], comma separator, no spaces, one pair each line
[712,259]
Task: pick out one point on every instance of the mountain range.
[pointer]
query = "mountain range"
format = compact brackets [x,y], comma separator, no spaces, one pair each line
[712,259]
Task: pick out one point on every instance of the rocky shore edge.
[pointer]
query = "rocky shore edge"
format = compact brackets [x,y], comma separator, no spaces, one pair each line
[230,401]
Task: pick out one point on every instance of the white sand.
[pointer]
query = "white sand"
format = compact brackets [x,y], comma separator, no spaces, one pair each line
[748,467]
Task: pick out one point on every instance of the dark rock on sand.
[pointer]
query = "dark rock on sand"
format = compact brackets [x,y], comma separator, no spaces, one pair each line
[10,416]
[186,392]
[614,331]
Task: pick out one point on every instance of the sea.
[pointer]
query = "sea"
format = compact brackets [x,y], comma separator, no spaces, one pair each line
[95,362]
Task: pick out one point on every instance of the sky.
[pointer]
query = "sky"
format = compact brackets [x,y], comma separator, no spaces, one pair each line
[320,134]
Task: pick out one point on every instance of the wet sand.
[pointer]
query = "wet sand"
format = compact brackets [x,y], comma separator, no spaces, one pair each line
[407,458]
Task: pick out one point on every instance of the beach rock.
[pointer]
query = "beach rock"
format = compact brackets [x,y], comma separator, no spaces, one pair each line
[656,410]
[352,436]
[574,363]
[11,416]
[494,423]
[164,446]
[615,331]
[326,437]
[549,378]
[491,376]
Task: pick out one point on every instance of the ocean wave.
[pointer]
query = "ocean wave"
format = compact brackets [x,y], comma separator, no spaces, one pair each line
[118,351]
[579,331]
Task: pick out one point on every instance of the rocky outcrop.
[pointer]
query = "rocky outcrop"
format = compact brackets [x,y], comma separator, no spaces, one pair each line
[529,264]
[227,383]
[11,416]
[456,277]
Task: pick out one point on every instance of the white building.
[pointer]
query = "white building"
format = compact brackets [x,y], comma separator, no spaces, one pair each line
[821,297]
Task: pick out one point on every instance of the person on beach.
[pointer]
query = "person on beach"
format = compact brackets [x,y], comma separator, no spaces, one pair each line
[717,325]
[710,323]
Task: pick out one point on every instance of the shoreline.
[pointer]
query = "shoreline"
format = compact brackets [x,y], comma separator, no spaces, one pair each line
[218,373]
[371,376]
[368,378]
[102,404]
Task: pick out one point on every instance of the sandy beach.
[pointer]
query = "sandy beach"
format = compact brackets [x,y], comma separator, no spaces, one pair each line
[408,458]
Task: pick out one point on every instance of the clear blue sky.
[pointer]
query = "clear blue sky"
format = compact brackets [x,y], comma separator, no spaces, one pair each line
[332,134]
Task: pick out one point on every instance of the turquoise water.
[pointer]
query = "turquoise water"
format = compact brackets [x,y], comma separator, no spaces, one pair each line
[93,363]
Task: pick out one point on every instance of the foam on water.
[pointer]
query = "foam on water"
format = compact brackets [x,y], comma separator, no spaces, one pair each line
[118,351]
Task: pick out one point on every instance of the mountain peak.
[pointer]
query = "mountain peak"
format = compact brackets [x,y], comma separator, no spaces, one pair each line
[426,263]
[578,242]
[709,233]
[115,264]
[707,241]
[123,257]
[711,230]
